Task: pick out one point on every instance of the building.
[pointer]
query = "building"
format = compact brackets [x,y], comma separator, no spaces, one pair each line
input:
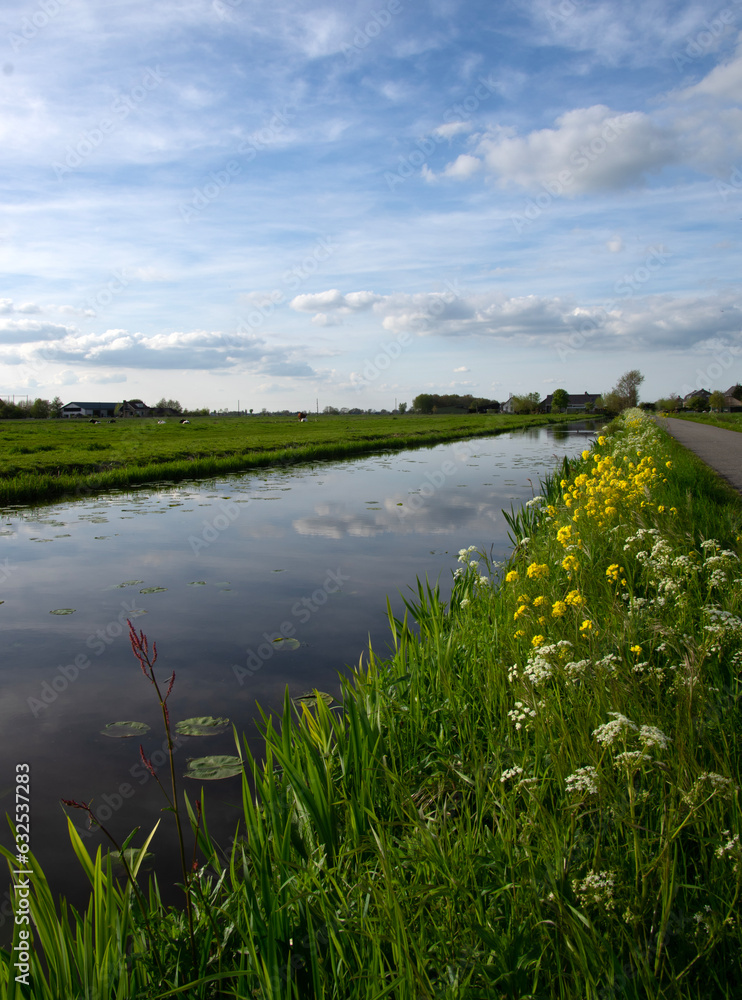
[133,408]
[581,402]
[89,410]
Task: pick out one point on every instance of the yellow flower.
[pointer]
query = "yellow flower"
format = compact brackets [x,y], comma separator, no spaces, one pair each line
[668,465]
[558,608]
[523,599]
[537,640]
[570,563]
[564,534]
[575,599]
[612,572]
[601,441]
[636,649]
[586,626]
[512,576]
[586,454]
[661,509]
[542,621]
[538,601]
[519,634]
[537,570]
[520,611]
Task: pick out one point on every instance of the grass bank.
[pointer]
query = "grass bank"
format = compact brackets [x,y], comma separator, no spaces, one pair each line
[44,460]
[537,796]
[729,421]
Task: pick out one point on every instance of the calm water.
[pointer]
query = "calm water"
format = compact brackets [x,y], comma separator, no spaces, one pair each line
[310,552]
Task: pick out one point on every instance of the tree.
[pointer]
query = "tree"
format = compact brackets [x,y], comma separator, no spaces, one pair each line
[526,404]
[40,409]
[559,401]
[627,388]
[402,407]
[169,404]
[671,404]
[697,403]
[717,400]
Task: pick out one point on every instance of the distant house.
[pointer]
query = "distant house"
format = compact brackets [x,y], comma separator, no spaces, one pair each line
[507,406]
[579,402]
[732,402]
[133,408]
[89,409]
[703,394]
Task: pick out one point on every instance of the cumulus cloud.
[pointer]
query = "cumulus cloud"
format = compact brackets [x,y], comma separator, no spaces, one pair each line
[196,349]
[463,166]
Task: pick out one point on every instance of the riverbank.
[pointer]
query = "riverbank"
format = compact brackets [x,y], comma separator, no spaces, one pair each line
[536,796]
[43,460]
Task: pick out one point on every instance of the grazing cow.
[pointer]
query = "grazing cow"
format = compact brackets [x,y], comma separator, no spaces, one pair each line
[185,421]
[302,418]
[94,421]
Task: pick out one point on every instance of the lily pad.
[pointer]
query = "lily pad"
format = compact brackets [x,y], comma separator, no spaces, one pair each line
[213,768]
[63,611]
[282,643]
[309,698]
[152,590]
[121,729]
[197,583]
[129,583]
[131,854]
[205,725]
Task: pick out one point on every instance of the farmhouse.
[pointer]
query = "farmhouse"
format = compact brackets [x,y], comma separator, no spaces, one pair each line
[89,410]
[579,402]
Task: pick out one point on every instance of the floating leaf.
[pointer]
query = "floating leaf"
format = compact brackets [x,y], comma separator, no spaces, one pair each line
[63,611]
[152,590]
[309,698]
[205,725]
[282,643]
[131,854]
[213,768]
[197,583]
[121,729]
[129,583]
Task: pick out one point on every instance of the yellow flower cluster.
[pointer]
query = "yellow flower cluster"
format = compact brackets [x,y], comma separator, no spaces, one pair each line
[537,571]
[575,599]
[571,564]
[611,487]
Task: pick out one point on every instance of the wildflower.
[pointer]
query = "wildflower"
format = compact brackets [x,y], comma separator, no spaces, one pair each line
[537,640]
[542,621]
[586,626]
[538,601]
[601,441]
[668,465]
[564,534]
[613,572]
[661,509]
[636,649]
[519,634]
[464,602]
[519,612]
[558,608]
[537,570]
[596,889]
[512,772]
[650,737]
[609,732]
[585,455]
[575,599]
[570,563]
[483,580]
[632,759]
[585,779]
[512,576]
[523,599]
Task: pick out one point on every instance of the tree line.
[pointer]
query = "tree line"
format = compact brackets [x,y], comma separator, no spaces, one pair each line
[431,402]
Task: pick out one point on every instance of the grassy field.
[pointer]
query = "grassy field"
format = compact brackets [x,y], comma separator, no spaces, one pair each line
[730,421]
[48,459]
[535,798]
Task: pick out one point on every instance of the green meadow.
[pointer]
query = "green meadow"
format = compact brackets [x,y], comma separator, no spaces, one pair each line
[48,459]
[536,797]
[730,421]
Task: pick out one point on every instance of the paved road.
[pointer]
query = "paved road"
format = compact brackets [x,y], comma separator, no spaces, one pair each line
[716,446]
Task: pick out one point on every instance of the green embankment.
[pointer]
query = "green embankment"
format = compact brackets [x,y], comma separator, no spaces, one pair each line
[48,459]
[729,421]
[537,796]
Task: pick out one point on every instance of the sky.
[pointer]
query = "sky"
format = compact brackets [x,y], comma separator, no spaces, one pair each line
[293,205]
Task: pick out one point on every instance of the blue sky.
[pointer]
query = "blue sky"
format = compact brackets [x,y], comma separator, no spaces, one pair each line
[226,200]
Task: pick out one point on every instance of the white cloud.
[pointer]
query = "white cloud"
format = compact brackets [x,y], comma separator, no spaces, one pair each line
[615,244]
[463,368]
[463,166]
[451,129]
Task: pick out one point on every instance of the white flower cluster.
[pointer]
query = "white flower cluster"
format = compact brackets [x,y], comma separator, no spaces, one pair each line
[651,736]
[596,889]
[521,714]
[631,759]
[609,732]
[732,848]
[584,780]
[512,772]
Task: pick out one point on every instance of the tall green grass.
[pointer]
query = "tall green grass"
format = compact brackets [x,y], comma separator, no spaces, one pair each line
[473,821]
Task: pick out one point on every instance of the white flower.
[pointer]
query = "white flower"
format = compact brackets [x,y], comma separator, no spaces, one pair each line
[512,772]
[596,889]
[608,733]
[632,759]
[650,737]
[585,779]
